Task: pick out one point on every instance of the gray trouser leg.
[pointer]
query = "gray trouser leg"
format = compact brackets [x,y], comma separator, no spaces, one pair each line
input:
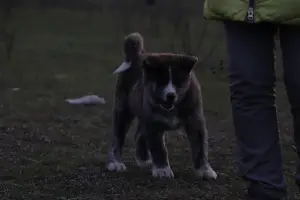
[252,85]
[290,45]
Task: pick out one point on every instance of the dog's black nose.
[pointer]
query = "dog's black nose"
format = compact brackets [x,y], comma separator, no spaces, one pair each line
[171,97]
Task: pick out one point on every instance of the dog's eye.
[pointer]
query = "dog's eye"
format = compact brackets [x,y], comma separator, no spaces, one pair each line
[179,77]
[179,80]
[158,75]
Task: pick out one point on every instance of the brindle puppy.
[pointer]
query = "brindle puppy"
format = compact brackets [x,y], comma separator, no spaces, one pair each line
[162,91]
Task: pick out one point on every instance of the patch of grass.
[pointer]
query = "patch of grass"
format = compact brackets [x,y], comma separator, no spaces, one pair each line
[51,150]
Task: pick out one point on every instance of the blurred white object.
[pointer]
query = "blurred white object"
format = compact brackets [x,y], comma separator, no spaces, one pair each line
[294,147]
[123,67]
[87,100]
[60,76]
[15,89]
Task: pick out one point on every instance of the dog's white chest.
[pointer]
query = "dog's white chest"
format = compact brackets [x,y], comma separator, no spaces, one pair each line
[168,122]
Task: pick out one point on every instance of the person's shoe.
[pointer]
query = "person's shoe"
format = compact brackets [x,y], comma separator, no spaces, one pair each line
[265,198]
[257,193]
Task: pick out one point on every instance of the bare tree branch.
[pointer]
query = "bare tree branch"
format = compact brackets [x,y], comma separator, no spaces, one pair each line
[211,51]
[8,36]
[200,43]
[9,39]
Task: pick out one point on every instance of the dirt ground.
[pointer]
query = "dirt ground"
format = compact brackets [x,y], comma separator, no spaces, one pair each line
[52,150]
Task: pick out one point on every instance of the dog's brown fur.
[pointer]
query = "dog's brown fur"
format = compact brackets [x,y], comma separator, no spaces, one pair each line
[131,100]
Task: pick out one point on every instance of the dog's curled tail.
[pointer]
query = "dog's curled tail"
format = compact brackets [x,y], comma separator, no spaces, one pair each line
[133,48]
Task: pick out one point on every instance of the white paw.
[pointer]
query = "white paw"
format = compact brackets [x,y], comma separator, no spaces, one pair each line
[162,172]
[116,166]
[206,172]
[143,164]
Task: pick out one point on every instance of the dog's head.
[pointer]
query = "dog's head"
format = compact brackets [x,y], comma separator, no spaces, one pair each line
[167,77]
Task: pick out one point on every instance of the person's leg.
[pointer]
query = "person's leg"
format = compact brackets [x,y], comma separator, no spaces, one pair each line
[290,45]
[252,85]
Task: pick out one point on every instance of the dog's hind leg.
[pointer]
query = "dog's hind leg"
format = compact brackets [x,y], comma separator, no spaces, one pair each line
[197,135]
[159,154]
[142,155]
[122,119]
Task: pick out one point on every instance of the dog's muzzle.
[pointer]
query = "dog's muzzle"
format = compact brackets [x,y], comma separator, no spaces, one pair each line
[166,107]
[169,102]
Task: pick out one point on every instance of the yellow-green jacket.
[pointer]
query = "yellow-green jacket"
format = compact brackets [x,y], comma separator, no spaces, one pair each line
[254,11]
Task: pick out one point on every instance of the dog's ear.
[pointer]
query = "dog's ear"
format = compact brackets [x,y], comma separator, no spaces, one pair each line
[153,65]
[157,61]
[187,63]
[152,61]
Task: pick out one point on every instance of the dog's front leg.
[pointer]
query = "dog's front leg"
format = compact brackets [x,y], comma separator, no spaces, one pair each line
[159,154]
[197,135]
[142,155]
[122,118]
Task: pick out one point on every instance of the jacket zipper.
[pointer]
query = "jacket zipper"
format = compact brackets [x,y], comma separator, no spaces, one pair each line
[250,13]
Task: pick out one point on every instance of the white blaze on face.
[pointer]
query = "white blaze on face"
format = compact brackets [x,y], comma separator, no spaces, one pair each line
[170,88]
